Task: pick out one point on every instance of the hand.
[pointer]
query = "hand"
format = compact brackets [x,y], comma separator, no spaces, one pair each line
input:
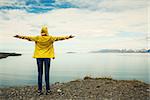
[71,36]
[16,36]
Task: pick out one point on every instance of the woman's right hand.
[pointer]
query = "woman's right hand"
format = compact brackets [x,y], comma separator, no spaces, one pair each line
[71,36]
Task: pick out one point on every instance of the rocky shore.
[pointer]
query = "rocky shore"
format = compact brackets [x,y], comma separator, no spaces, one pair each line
[5,55]
[83,89]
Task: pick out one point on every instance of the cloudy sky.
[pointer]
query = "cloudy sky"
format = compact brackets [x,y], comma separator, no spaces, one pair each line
[97,24]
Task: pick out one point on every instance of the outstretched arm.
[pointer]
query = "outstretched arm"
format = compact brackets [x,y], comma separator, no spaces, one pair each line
[58,38]
[29,38]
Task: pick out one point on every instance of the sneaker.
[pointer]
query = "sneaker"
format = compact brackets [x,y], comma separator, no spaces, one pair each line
[48,92]
[40,92]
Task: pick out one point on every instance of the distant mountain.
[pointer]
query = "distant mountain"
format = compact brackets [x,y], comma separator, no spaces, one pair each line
[71,52]
[5,55]
[121,51]
[148,51]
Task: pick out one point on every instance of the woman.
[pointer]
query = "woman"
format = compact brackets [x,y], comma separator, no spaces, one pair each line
[43,53]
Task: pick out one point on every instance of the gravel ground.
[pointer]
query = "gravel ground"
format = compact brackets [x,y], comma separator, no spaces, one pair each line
[83,89]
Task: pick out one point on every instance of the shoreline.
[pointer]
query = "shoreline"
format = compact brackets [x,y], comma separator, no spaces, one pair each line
[83,89]
[5,55]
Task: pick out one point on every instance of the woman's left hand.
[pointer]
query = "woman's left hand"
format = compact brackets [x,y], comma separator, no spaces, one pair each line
[16,36]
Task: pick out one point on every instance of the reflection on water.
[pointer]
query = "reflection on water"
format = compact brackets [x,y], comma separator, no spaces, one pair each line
[22,70]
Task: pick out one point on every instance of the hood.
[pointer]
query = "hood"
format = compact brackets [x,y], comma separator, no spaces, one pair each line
[44,30]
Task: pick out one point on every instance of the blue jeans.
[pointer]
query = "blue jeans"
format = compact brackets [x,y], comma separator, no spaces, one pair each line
[46,62]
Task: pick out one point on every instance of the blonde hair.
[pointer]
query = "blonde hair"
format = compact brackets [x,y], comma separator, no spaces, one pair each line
[44,30]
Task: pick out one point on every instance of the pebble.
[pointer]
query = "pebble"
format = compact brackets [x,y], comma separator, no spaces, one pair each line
[148,90]
[59,90]
[0,92]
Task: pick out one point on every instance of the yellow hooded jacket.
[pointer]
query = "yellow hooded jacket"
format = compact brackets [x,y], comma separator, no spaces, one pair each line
[44,45]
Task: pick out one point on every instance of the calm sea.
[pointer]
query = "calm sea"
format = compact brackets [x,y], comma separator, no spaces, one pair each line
[22,70]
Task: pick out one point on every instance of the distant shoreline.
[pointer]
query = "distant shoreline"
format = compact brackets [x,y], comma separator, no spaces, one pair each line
[5,55]
[83,89]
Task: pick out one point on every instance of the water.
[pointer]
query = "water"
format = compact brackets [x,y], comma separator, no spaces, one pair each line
[22,70]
